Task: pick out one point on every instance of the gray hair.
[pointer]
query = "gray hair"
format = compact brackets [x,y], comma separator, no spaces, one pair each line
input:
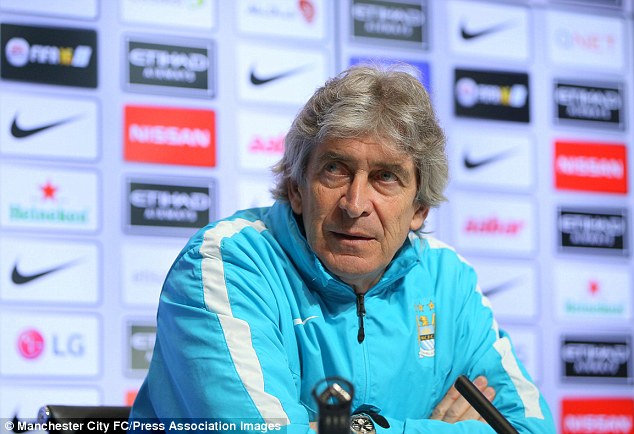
[383,103]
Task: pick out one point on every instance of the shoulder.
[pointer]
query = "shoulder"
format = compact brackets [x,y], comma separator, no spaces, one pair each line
[242,229]
[441,258]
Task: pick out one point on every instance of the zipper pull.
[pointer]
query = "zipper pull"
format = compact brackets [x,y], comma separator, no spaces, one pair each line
[360,314]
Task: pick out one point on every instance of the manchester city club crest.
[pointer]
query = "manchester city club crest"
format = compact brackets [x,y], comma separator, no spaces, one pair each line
[426,323]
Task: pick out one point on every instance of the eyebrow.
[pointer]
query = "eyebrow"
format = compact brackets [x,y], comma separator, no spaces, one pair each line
[396,168]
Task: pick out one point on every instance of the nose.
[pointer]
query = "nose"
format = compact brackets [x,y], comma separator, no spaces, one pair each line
[356,200]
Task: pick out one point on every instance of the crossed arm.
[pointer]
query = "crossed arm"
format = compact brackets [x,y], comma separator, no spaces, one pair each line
[454,407]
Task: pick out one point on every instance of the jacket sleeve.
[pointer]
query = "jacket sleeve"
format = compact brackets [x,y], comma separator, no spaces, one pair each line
[219,352]
[482,349]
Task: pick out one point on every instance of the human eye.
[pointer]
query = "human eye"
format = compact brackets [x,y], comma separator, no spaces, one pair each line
[387,176]
[334,168]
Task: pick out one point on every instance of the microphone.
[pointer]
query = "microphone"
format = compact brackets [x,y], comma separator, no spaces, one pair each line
[334,398]
[483,406]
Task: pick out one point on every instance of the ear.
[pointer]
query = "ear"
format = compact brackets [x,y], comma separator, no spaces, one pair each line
[419,217]
[295,197]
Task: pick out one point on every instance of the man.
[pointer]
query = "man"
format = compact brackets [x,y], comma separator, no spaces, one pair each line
[337,278]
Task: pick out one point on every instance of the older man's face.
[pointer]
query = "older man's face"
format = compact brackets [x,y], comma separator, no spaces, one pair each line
[357,207]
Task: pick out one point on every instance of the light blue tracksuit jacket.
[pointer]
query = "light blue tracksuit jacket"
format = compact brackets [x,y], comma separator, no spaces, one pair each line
[249,321]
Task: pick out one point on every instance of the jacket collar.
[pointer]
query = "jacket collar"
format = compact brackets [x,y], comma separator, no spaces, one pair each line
[286,229]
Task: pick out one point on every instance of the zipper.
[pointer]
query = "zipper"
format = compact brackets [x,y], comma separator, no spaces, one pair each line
[361,314]
[362,392]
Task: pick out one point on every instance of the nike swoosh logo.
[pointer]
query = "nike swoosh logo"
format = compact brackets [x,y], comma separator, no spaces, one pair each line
[21,133]
[299,321]
[259,80]
[20,278]
[471,163]
[505,286]
[469,35]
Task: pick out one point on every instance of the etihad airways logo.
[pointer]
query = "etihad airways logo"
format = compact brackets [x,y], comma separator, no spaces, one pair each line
[599,231]
[49,55]
[597,415]
[166,207]
[591,105]
[597,292]
[592,357]
[170,135]
[398,22]
[594,167]
[33,197]
[140,346]
[175,69]
[492,95]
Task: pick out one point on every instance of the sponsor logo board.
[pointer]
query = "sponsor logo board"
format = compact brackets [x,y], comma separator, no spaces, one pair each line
[606,359]
[402,23]
[599,292]
[598,231]
[144,266]
[185,69]
[590,105]
[591,167]
[83,9]
[296,19]
[279,75]
[169,207]
[170,135]
[510,286]
[261,138]
[597,415]
[49,127]
[50,55]
[492,160]
[498,224]
[491,30]
[36,271]
[48,345]
[423,70]
[37,197]
[495,95]
[195,15]
[140,338]
[586,41]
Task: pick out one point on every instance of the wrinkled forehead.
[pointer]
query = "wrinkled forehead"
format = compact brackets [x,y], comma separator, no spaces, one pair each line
[381,143]
[374,150]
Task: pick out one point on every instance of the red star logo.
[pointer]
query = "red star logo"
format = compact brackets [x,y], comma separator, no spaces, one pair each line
[48,190]
[593,286]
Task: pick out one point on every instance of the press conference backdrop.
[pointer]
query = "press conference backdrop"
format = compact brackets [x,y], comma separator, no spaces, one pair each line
[126,125]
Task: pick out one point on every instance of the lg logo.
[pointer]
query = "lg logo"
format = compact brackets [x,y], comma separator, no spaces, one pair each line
[31,344]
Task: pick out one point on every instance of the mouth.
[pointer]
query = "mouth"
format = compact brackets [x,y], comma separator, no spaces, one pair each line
[351,236]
